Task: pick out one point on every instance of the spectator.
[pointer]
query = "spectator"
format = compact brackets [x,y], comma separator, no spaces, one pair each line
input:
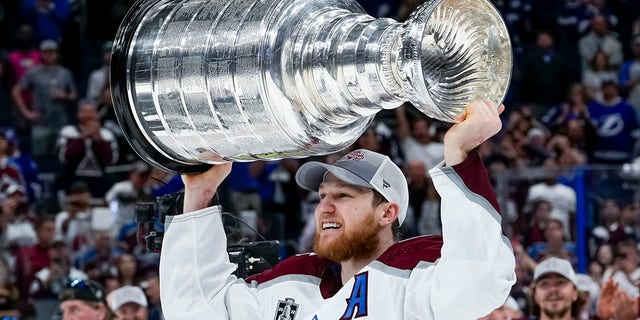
[151,288]
[23,58]
[127,269]
[17,220]
[9,294]
[99,77]
[592,8]
[31,259]
[279,200]
[561,197]
[604,257]
[50,280]
[423,200]
[544,70]
[589,290]
[524,141]
[627,226]
[123,196]
[581,134]
[600,39]
[615,303]
[47,16]
[417,139]
[28,167]
[574,107]
[538,218]
[534,146]
[630,75]
[98,261]
[73,225]
[616,123]
[625,270]
[86,149]
[109,120]
[84,300]
[562,153]
[554,244]
[53,90]
[128,303]
[602,260]
[10,172]
[609,216]
[568,19]
[554,292]
[599,71]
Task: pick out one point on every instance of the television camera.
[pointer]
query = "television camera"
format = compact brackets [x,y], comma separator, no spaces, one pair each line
[250,257]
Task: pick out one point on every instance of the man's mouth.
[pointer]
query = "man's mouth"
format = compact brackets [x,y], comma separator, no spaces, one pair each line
[330,225]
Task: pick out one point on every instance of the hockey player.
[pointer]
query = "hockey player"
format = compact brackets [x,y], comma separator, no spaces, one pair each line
[359,269]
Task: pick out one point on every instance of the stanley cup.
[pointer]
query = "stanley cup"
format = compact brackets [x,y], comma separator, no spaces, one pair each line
[199,82]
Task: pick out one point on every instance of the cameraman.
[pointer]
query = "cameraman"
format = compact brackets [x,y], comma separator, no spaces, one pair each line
[359,268]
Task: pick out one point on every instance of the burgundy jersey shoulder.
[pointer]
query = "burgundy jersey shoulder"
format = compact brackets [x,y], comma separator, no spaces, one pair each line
[304,264]
[408,253]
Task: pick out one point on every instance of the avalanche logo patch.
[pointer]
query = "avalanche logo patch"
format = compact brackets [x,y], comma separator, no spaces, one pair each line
[286,310]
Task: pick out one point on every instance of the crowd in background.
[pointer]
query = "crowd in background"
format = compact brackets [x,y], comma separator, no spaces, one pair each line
[69,181]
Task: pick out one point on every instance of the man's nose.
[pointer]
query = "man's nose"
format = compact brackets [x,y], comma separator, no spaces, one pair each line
[325,205]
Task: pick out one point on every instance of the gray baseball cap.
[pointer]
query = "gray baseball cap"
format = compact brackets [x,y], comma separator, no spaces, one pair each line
[48,45]
[362,168]
[555,265]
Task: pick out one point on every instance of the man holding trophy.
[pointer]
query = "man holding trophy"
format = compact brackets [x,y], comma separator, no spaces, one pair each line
[359,269]
[202,83]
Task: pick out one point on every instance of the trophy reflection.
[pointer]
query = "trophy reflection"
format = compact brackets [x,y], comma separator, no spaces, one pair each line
[199,82]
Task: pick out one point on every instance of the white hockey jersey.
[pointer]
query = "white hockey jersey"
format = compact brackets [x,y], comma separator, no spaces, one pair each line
[463,275]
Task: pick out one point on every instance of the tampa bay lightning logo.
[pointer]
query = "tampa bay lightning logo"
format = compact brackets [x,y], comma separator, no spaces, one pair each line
[611,125]
[286,309]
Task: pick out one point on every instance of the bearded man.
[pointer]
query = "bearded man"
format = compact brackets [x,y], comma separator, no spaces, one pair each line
[359,269]
[554,292]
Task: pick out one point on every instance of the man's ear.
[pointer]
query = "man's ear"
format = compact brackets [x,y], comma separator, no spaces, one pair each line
[102,309]
[390,213]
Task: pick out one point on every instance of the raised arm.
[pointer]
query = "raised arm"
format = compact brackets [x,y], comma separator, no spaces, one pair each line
[195,272]
[477,263]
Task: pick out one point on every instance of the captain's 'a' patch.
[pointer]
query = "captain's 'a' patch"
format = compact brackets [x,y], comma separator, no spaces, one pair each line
[286,310]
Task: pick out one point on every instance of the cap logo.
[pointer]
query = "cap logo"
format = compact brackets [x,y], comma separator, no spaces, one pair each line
[385,184]
[356,155]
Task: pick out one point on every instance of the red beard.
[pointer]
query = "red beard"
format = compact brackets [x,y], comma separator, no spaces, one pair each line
[359,244]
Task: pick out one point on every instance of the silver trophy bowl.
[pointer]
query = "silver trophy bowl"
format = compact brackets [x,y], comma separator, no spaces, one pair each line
[200,82]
